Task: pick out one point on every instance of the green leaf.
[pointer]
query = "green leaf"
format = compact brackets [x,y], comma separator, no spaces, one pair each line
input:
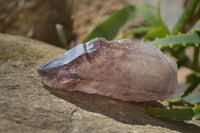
[61,35]
[194,80]
[196,117]
[175,101]
[157,29]
[192,86]
[156,32]
[196,110]
[174,114]
[114,24]
[139,30]
[196,74]
[196,27]
[193,98]
[196,58]
[187,14]
[193,76]
[159,15]
[181,40]
[147,14]
[197,13]
[179,53]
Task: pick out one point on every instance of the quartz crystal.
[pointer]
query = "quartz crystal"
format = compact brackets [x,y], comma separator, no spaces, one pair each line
[125,69]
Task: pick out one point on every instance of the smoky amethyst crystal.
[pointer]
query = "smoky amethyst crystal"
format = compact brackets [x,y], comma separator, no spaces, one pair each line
[125,69]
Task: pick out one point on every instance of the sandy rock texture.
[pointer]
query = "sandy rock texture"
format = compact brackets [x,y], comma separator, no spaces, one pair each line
[26,105]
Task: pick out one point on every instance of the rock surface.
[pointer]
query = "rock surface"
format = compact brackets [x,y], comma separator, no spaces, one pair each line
[26,105]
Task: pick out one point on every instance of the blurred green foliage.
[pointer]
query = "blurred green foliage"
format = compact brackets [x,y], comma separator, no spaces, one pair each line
[116,22]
